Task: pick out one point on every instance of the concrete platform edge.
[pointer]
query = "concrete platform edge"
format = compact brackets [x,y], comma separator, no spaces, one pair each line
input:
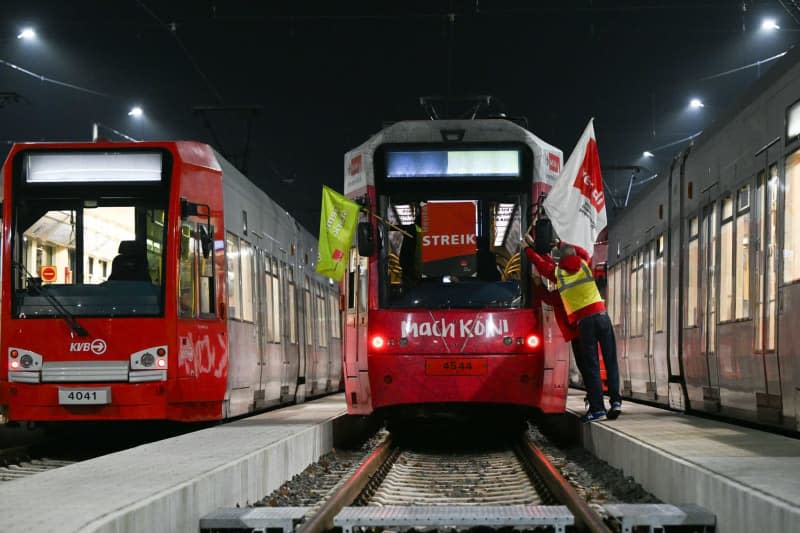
[245,480]
[739,508]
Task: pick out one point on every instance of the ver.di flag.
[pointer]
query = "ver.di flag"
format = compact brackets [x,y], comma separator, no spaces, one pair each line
[576,204]
[336,225]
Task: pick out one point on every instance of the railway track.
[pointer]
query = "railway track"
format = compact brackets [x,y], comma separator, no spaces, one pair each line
[20,462]
[514,486]
[497,485]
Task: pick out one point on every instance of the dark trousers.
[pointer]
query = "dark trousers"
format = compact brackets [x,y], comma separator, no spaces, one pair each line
[577,351]
[597,329]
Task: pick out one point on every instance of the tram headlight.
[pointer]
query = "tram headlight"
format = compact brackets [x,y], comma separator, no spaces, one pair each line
[532,341]
[24,365]
[152,358]
[378,342]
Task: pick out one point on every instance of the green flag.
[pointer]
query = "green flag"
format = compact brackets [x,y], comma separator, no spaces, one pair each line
[336,226]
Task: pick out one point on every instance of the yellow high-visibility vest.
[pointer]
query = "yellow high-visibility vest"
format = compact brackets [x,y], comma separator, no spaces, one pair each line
[577,289]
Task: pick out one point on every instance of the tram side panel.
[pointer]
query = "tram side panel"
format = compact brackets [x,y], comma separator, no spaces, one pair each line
[202,355]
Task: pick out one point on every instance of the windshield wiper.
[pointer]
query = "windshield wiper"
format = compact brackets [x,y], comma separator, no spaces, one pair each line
[61,311]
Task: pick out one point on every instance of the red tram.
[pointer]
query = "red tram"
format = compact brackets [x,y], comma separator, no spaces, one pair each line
[154,281]
[439,315]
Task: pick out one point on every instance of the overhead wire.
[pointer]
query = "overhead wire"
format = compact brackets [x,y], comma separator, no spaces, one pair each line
[172,29]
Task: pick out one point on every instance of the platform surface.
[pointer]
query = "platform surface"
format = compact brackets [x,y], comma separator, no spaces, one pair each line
[750,479]
[168,485]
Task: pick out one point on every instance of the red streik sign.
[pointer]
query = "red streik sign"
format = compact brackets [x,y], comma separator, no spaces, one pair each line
[448,240]
[48,273]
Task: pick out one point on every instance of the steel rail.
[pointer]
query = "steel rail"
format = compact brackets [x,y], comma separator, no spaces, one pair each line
[15,454]
[586,519]
[349,491]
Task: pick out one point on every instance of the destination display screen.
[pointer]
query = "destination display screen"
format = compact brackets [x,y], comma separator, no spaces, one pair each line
[93,167]
[452,164]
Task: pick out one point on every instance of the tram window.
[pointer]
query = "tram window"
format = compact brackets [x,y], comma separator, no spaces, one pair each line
[743,198]
[759,243]
[742,251]
[246,254]
[234,275]
[276,302]
[791,225]
[154,243]
[336,317]
[74,242]
[692,270]
[726,262]
[351,280]
[206,270]
[612,294]
[363,265]
[793,122]
[186,271]
[309,311]
[772,259]
[322,325]
[292,307]
[640,288]
[633,329]
[727,207]
[620,292]
[268,297]
[658,293]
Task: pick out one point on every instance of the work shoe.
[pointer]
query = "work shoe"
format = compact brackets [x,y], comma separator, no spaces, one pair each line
[592,417]
[615,411]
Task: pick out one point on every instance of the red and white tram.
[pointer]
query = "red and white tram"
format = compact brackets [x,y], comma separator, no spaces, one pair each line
[440,316]
[154,281]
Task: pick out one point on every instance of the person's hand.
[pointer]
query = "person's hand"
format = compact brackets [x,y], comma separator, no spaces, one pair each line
[529,240]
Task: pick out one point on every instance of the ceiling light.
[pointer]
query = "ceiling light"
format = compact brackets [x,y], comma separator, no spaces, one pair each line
[27,34]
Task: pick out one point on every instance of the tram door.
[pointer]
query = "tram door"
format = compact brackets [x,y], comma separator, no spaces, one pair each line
[355,345]
[768,402]
[708,295]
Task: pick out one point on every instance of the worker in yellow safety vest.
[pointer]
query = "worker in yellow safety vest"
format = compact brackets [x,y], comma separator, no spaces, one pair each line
[586,310]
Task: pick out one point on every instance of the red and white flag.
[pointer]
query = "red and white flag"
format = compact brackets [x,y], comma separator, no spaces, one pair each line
[576,204]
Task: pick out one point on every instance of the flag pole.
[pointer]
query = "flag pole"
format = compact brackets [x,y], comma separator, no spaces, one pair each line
[397,228]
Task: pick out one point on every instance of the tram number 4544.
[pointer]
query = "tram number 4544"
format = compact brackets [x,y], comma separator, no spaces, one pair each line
[456,367]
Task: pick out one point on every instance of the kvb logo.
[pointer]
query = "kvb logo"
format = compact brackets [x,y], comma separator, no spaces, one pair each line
[97,346]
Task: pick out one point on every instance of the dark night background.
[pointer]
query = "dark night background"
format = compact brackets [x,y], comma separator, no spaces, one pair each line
[314,80]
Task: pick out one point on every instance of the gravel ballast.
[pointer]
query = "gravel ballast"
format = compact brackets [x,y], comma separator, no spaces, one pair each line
[595,480]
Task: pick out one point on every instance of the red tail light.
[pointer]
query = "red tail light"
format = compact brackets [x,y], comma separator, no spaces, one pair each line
[533,341]
[378,342]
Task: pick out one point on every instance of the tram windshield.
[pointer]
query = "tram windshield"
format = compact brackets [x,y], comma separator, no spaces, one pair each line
[452,253]
[88,249]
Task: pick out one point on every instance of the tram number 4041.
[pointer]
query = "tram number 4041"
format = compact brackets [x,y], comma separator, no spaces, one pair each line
[84,396]
[456,367]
